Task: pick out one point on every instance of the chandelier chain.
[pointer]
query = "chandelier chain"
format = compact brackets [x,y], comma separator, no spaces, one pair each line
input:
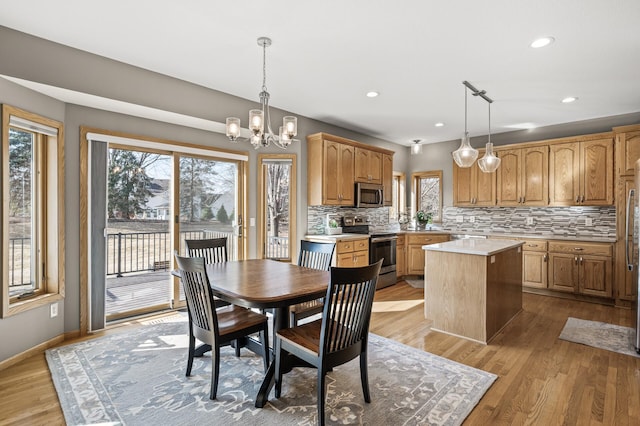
[264,67]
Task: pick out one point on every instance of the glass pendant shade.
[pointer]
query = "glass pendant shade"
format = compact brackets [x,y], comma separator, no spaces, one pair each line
[233,128]
[490,162]
[466,155]
[290,126]
[256,121]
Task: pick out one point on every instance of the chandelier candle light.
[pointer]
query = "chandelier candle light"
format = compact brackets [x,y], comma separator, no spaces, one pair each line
[257,117]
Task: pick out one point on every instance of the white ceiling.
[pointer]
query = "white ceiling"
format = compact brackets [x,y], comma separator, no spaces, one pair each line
[326,55]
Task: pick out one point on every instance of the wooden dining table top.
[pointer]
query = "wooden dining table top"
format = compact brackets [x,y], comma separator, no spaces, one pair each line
[264,283]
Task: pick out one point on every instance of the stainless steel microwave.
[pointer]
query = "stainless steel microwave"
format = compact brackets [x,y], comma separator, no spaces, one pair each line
[369,195]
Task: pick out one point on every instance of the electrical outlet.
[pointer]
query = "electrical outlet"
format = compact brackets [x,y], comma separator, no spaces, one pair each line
[54,309]
[588,222]
[459,219]
[529,221]
[472,219]
[252,221]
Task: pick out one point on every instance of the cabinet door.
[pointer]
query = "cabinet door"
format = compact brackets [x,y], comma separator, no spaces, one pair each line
[564,174]
[563,272]
[595,276]
[387,179]
[534,269]
[534,176]
[462,186]
[346,260]
[375,167]
[509,192]
[596,177]
[401,260]
[346,175]
[485,187]
[415,260]
[628,152]
[362,165]
[361,258]
[332,187]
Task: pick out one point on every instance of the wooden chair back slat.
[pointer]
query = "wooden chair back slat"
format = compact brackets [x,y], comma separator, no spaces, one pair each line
[316,255]
[213,250]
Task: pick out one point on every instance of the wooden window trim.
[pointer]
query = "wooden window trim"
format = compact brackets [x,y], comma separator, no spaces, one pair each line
[415,177]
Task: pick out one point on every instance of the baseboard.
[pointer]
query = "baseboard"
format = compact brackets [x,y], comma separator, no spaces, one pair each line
[31,352]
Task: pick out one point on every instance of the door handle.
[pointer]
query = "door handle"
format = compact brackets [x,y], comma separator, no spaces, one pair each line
[575,259]
[581,260]
[582,200]
[630,198]
[578,199]
[545,257]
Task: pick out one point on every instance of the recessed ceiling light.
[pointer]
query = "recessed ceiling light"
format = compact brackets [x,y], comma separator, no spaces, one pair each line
[569,99]
[440,124]
[542,42]
[372,94]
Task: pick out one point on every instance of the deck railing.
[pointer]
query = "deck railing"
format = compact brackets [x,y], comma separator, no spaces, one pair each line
[138,252]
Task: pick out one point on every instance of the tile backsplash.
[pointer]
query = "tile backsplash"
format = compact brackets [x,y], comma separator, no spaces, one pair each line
[562,221]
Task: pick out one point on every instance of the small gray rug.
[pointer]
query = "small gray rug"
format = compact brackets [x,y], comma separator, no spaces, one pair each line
[602,335]
[416,283]
[137,378]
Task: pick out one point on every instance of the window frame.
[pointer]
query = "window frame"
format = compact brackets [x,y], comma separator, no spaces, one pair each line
[398,203]
[49,211]
[262,207]
[415,179]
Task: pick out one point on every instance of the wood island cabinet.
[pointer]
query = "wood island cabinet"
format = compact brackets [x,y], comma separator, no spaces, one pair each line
[581,268]
[352,253]
[415,252]
[522,178]
[581,173]
[368,166]
[472,187]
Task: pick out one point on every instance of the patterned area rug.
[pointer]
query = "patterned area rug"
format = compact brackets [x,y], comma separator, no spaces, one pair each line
[137,378]
[602,335]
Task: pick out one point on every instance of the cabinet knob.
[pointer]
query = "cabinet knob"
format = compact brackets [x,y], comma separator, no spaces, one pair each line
[575,259]
[582,199]
[578,248]
[427,239]
[578,199]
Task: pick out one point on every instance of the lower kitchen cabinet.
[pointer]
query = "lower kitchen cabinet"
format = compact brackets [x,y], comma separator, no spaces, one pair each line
[352,253]
[534,264]
[415,253]
[581,268]
[401,256]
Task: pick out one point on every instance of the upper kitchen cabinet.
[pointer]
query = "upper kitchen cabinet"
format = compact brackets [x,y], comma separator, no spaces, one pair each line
[387,179]
[331,168]
[472,187]
[581,172]
[368,166]
[522,178]
[627,149]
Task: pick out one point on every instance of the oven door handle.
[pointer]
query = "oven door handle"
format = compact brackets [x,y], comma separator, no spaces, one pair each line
[382,239]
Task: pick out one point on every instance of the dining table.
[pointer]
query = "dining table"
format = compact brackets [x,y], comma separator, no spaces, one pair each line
[267,284]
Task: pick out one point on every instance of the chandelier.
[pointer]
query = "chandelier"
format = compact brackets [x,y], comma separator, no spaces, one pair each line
[261,137]
[466,155]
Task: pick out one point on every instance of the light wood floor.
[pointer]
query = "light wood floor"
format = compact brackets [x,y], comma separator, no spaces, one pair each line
[542,380]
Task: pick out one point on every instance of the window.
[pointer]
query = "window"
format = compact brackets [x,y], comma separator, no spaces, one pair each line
[427,193]
[277,188]
[33,212]
[398,205]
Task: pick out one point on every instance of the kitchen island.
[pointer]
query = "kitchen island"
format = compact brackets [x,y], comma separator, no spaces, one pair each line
[473,287]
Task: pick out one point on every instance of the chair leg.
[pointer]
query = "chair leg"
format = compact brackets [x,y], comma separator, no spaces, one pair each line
[192,349]
[264,340]
[237,347]
[321,377]
[364,376]
[292,319]
[278,367]
[215,371]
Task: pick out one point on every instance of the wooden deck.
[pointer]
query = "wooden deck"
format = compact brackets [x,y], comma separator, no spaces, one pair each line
[136,292]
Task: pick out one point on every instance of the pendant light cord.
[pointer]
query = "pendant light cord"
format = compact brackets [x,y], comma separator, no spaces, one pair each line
[465,110]
[489,122]
[264,67]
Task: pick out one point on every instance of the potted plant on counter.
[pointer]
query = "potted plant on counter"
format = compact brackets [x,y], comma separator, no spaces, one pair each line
[423,219]
[333,228]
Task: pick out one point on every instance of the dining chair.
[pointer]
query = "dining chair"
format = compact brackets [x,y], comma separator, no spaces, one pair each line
[315,256]
[214,250]
[340,336]
[215,327]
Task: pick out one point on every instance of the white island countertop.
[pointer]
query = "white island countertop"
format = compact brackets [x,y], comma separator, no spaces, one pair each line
[481,247]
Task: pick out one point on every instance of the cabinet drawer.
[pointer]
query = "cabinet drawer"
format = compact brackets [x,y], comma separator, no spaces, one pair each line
[424,239]
[581,248]
[534,245]
[352,245]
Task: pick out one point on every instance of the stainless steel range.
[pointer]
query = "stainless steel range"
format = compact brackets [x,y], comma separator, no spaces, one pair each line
[381,246]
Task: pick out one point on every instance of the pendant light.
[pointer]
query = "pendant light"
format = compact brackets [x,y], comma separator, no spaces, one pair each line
[416,148]
[490,162]
[466,154]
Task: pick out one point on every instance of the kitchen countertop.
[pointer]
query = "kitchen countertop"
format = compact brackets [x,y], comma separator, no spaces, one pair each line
[336,237]
[594,239]
[481,247]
